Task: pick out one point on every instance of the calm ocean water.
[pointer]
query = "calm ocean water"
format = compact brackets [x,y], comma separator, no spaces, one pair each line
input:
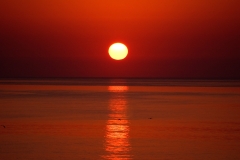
[119,119]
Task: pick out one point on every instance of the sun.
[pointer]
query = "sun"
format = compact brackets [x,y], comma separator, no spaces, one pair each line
[118,51]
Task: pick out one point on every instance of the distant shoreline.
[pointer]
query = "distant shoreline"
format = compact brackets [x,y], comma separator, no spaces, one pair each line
[122,82]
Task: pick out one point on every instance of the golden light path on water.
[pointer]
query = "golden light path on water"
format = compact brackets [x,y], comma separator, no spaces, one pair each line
[117,144]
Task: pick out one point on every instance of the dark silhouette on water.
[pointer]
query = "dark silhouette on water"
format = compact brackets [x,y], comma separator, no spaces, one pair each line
[3,126]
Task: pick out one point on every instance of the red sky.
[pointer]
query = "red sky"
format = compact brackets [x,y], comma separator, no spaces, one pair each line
[165,38]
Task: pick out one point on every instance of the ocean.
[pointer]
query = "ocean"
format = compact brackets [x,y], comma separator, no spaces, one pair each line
[119,119]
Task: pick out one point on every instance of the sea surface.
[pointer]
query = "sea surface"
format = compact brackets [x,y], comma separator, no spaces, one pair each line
[119,119]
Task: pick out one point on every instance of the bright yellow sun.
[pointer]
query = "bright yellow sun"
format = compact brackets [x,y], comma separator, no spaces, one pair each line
[118,51]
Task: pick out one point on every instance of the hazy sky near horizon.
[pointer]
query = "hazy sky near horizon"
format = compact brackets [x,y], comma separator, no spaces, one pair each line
[165,38]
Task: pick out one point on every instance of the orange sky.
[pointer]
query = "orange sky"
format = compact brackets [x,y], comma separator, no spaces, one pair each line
[166,38]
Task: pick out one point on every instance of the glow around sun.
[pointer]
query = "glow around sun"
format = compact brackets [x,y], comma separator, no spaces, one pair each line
[118,51]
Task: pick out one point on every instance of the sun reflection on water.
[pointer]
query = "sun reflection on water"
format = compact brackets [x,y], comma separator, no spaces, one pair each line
[117,143]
